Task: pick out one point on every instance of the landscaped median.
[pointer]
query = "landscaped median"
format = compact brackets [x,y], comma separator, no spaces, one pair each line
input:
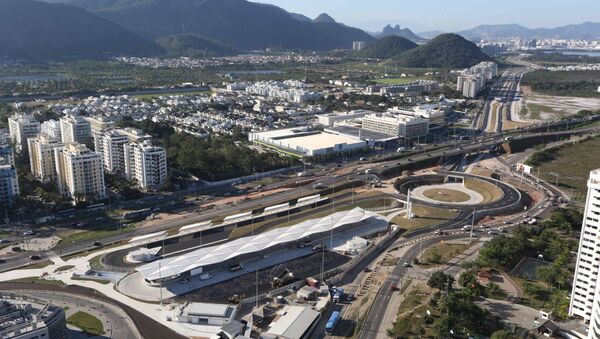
[86,322]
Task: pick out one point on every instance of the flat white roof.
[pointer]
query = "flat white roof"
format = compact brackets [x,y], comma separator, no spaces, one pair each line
[294,323]
[195,226]
[206,309]
[170,267]
[238,216]
[149,237]
[320,141]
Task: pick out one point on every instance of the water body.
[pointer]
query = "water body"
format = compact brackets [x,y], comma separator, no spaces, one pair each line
[34,77]
[595,54]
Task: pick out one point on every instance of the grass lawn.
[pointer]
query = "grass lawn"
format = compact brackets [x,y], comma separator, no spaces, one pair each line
[39,264]
[537,109]
[398,81]
[446,195]
[441,253]
[86,322]
[572,165]
[90,235]
[424,217]
[490,192]
[64,268]
[409,319]
[38,280]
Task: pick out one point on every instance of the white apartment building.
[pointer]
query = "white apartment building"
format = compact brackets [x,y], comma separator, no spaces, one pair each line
[22,127]
[397,125]
[585,296]
[52,129]
[41,156]
[147,164]
[9,184]
[358,45]
[75,129]
[79,172]
[113,151]
[472,80]
[98,124]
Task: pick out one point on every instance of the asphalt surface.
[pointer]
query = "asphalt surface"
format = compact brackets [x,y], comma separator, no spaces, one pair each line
[148,327]
[450,149]
[120,324]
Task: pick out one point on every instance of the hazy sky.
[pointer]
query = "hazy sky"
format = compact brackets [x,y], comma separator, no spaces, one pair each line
[447,15]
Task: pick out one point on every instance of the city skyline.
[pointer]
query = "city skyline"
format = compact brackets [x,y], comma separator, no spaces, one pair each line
[421,17]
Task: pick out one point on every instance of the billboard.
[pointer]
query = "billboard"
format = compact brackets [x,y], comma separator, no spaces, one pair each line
[524,168]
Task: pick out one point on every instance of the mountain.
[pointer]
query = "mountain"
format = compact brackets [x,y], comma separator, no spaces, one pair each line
[444,51]
[324,18]
[300,17]
[194,45]
[586,30]
[430,34]
[238,23]
[387,47]
[495,31]
[41,31]
[402,32]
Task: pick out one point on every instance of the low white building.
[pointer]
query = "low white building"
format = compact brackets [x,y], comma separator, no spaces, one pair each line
[293,322]
[306,142]
[203,314]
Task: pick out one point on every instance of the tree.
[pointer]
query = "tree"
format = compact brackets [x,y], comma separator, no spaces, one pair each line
[502,334]
[441,281]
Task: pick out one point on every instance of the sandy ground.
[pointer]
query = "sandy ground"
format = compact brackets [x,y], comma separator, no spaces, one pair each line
[559,105]
[31,244]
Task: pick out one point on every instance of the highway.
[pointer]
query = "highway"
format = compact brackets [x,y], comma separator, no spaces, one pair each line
[445,150]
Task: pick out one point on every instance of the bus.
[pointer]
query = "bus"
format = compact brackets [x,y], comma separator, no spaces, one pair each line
[332,322]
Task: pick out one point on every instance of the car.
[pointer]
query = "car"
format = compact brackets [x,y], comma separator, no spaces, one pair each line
[184,281]
[366,269]
[16,249]
[28,233]
[4,241]
[2,261]
[393,287]
[350,297]
[35,257]
[406,264]
[318,247]
[97,243]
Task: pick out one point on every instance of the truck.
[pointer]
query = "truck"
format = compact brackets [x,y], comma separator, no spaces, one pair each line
[312,282]
[332,322]
[338,295]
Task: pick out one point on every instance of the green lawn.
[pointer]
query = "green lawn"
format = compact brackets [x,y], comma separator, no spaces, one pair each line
[424,217]
[86,322]
[489,191]
[442,253]
[398,81]
[572,165]
[446,195]
[90,235]
[64,268]
[38,280]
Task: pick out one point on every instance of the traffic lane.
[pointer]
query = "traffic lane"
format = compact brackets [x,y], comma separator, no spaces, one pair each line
[120,324]
[371,327]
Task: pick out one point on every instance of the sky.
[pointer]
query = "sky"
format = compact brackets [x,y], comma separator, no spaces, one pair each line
[446,15]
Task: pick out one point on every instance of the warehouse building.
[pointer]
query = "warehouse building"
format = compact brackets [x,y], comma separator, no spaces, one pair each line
[304,142]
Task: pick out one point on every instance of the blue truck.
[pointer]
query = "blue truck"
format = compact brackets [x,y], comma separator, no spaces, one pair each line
[332,322]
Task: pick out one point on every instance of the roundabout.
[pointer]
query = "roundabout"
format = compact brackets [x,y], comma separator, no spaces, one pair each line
[452,193]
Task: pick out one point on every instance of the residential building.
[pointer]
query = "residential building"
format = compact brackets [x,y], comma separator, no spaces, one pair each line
[146,164]
[9,184]
[41,156]
[52,128]
[98,124]
[6,152]
[358,45]
[75,129]
[471,81]
[26,317]
[113,151]
[585,295]
[22,127]
[79,172]
[398,125]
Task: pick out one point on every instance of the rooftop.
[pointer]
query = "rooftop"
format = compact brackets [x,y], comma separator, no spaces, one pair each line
[294,322]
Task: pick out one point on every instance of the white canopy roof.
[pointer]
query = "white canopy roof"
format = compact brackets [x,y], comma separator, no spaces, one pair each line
[230,250]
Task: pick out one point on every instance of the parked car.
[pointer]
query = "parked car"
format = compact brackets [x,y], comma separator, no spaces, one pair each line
[35,257]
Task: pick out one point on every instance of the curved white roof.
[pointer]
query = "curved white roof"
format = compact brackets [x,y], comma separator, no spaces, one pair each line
[216,254]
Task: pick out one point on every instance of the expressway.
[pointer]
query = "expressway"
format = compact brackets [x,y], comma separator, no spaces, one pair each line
[378,165]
